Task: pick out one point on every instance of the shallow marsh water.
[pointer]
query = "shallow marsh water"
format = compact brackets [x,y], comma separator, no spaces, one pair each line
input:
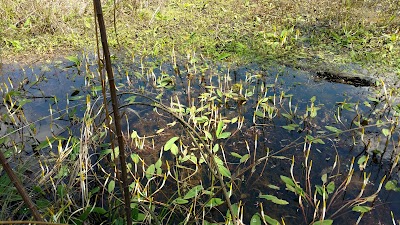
[53,98]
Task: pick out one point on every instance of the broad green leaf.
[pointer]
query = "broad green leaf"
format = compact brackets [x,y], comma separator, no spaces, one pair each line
[385,132]
[271,221]
[331,187]
[287,180]
[234,154]
[274,199]
[391,185]
[214,202]
[333,129]
[361,209]
[111,186]
[290,127]
[150,171]
[174,149]
[224,135]
[224,171]
[324,178]
[323,222]
[362,159]
[244,158]
[169,143]
[255,219]
[135,158]
[215,148]
[208,135]
[180,201]
[158,163]
[273,187]
[193,192]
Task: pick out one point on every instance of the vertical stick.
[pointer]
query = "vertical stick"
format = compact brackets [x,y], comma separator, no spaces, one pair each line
[117,120]
[20,188]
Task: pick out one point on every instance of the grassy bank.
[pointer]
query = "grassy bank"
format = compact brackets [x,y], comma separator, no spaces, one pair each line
[332,31]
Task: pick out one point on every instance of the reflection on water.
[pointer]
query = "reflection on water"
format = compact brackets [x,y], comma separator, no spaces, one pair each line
[56,100]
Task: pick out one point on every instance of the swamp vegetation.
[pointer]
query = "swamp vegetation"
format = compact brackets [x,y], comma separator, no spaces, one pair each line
[230,112]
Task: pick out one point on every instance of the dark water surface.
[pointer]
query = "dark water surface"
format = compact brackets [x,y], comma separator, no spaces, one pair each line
[56,95]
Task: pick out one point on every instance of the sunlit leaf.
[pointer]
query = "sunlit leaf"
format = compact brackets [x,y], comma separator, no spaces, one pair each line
[274,199]
[111,186]
[244,158]
[391,185]
[290,127]
[333,129]
[180,201]
[150,171]
[270,220]
[224,135]
[174,149]
[361,209]
[193,192]
[214,202]
[385,132]
[234,154]
[255,219]
[287,180]
[170,143]
[273,187]
[215,148]
[224,171]
[331,187]
[219,128]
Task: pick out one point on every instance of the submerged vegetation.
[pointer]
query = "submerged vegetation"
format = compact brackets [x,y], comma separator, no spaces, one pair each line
[207,140]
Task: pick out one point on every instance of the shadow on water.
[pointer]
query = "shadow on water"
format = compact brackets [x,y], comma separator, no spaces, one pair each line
[296,104]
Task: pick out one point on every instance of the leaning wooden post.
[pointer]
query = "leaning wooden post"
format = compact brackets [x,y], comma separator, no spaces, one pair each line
[20,188]
[114,101]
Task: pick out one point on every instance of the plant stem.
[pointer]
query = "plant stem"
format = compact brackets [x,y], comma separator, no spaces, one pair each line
[117,120]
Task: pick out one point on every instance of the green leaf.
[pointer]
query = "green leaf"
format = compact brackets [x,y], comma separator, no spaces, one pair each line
[234,154]
[273,187]
[324,178]
[331,187]
[274,199]
[219,128]
[193,192]
[287,180]
[255,219]
[361,209]
[150,171]
[391,185]
[169,143]
[362,160]
[214,202]
[244,158]
[135,158]
[290,127]
[174,149]
[224,135]
[323,222]
[208,135]
[224,171]
[385,132]
[333,129]
[215,148]
[180,201]
[111,186]
[223,55]
[270,220]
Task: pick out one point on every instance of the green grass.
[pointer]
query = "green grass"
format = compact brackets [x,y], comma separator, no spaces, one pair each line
[241,31]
